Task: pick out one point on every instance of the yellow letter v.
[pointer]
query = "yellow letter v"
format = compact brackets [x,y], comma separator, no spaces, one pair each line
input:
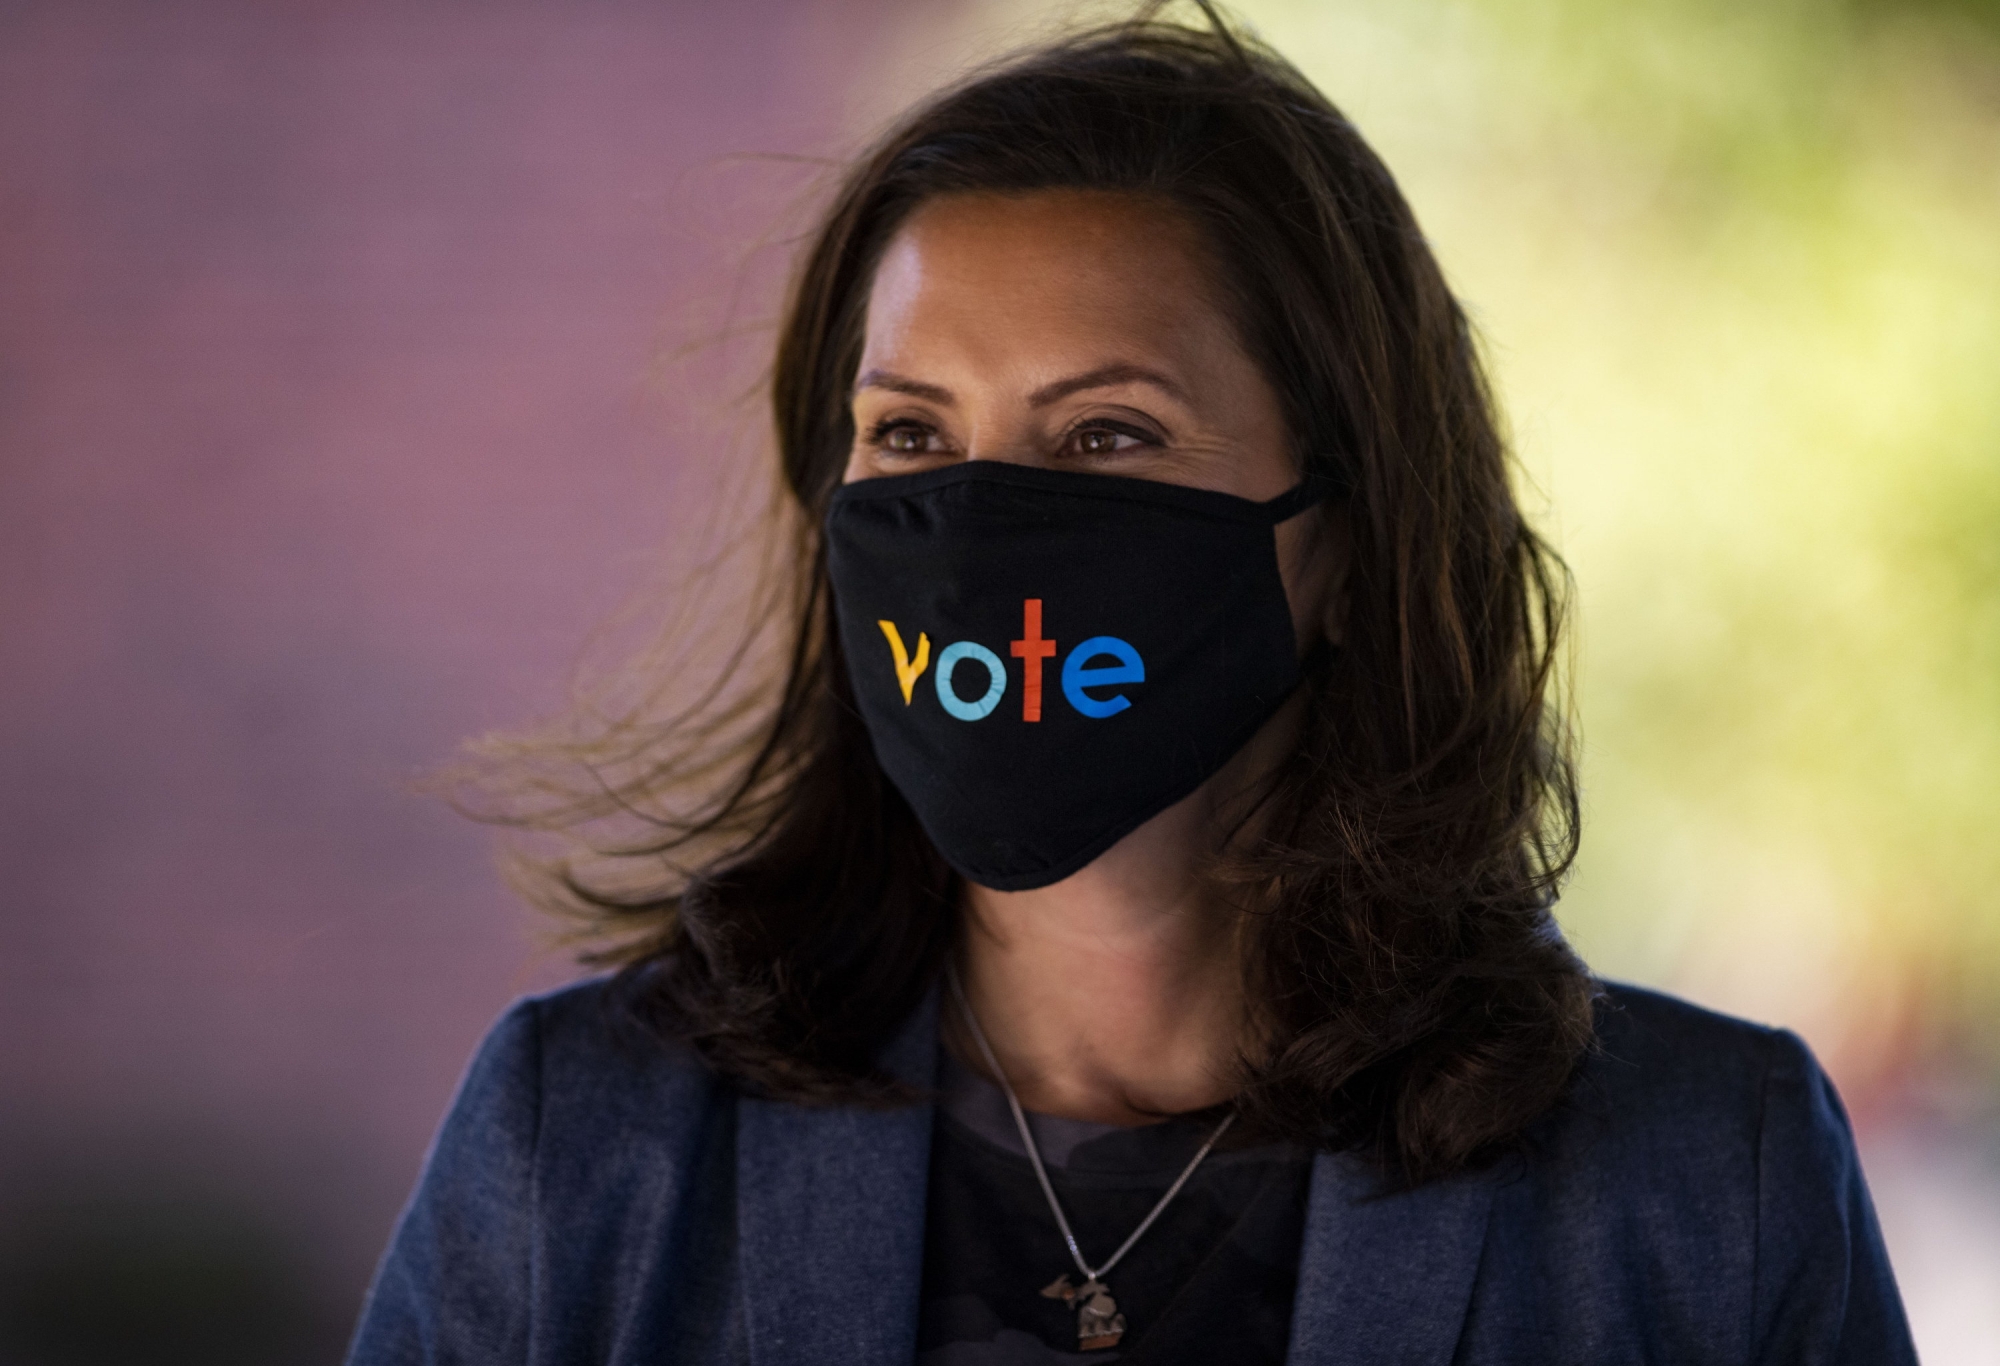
[907,673]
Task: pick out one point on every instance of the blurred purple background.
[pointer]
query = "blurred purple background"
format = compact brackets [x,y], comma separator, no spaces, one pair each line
[330,423]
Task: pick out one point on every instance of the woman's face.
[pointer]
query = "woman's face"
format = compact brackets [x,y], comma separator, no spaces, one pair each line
[1076,330]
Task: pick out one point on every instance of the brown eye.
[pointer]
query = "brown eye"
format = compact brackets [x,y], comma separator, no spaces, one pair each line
[1102,439]
[904,438]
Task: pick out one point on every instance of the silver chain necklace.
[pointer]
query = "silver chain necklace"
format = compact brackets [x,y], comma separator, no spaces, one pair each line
[1098,1322]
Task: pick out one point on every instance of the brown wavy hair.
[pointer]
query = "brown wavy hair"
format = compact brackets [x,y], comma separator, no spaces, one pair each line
[779,907]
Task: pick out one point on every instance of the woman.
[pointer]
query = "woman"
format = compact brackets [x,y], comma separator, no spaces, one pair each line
[1128,934]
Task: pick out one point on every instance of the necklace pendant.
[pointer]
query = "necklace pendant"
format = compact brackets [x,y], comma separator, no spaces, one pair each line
[1098,1322]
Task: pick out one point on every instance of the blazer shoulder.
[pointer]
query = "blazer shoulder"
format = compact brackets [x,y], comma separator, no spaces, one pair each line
[597,1067]
[573,1140]
[1725,1151]
[1671,1093]
[1662,1056]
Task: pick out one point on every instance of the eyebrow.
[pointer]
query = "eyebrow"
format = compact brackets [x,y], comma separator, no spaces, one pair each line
[916,388]
[1104,377]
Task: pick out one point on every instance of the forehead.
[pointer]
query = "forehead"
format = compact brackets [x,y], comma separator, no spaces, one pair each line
[1080,266]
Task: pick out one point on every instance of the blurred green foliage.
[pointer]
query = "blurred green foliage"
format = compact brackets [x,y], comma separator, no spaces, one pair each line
[1738,272]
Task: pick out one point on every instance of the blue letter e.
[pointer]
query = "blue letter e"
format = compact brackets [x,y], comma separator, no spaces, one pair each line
[1078,674]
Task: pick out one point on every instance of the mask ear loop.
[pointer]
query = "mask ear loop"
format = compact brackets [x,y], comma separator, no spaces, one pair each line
[1307,494]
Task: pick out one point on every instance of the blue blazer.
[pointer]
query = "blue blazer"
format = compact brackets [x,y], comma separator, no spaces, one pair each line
[1696,1200]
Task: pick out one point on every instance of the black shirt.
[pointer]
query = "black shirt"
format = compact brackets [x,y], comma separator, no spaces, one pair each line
[1212,1280]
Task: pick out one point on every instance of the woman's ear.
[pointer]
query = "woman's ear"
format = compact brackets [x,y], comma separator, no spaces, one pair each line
[1314,552]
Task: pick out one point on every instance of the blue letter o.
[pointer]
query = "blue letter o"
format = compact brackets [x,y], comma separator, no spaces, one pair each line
[970,711]
[1078,674]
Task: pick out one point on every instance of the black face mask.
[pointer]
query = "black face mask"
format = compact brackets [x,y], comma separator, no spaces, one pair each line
[1046,659]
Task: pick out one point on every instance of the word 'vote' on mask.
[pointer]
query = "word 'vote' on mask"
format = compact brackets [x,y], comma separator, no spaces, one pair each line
[1080,670]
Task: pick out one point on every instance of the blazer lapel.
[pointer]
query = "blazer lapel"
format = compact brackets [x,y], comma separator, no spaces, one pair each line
[830,1219]
[1385,1279]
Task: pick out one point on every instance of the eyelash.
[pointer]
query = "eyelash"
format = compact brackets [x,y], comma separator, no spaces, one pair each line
[878,433]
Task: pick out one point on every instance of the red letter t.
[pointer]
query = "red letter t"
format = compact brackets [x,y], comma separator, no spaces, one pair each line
[1031,650]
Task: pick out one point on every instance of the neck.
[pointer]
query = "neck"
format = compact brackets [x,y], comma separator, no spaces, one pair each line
[1115,995]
